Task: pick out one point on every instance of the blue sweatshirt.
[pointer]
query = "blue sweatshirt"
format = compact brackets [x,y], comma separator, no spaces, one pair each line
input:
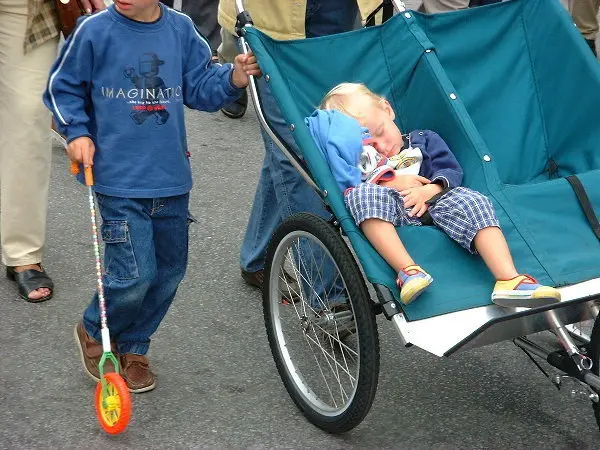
[124,83]
[339,138]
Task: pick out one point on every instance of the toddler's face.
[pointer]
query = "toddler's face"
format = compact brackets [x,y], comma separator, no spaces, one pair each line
[379,119]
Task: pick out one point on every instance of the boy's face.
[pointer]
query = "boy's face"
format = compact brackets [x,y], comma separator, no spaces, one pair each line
[379,119]
[135,8]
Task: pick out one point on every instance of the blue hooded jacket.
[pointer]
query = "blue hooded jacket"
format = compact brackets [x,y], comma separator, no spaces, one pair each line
[339,138]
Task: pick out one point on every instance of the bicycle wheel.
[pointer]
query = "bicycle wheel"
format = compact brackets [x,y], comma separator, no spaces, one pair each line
[324,341]
[113,404]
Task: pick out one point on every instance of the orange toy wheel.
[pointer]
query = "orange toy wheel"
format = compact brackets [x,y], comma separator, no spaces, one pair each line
[113,404]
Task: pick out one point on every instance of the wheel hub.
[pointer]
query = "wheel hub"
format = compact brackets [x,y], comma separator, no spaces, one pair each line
[305,324]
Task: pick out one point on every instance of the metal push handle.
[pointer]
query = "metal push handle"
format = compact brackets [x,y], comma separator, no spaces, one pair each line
[239,6]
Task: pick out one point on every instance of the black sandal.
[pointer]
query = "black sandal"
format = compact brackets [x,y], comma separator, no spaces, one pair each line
[29,281]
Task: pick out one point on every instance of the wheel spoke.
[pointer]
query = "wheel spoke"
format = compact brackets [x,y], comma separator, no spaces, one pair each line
[304,301]
[321,371]
[330,359]
[289,255]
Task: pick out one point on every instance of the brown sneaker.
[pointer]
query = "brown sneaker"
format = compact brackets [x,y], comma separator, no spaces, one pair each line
[90,351]
[254,278]
[136,373]
[289,288]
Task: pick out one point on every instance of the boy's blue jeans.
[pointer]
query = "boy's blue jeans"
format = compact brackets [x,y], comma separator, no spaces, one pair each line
[145,258]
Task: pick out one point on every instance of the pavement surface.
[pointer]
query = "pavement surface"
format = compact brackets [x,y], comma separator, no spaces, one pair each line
[217,383]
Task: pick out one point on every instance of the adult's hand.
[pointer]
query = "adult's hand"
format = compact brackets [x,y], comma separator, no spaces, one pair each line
[90,6]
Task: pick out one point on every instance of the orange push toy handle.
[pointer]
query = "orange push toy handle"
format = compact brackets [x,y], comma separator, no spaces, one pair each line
[87,172]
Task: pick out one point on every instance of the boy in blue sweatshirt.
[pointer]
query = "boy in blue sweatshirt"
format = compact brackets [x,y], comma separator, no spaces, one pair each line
[387,185]
[117,92]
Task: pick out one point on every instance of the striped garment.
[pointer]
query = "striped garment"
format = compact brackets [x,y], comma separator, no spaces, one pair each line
[460,213]
[42,23]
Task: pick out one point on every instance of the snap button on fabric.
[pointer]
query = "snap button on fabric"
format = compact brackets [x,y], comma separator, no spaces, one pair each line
[487,158]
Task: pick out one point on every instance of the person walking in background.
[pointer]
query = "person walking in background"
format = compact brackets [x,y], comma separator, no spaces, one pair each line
[281,191]
[585,16]
[438,6]
[204,15]
[226,51]
[29,32]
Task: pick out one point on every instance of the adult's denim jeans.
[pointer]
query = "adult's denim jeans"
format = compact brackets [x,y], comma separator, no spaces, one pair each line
[145,258]
[281,191]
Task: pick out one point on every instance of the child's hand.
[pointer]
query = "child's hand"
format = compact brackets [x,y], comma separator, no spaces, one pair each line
[415,198]
[82,150]
[403,182]
[243,67]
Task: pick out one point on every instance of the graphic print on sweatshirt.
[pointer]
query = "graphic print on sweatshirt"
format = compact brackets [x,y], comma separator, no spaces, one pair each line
[150,95]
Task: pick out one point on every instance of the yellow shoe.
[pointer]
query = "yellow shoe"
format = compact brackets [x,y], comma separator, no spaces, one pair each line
[412,281]
[525,292]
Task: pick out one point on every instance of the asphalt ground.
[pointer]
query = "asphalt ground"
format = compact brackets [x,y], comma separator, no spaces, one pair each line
[217,383]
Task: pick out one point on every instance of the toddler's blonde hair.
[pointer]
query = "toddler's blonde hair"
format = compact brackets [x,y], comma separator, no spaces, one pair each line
[340,98]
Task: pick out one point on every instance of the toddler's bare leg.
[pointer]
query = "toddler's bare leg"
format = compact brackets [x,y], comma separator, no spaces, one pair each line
[382,235]
[492,246]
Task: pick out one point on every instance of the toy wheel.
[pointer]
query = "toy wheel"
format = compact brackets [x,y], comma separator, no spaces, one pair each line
[320,323]
[594,353]
[113,404]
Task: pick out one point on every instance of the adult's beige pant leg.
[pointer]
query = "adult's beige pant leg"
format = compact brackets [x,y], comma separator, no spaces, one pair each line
[228,49]
[585,15]
[25,149]
[436,6]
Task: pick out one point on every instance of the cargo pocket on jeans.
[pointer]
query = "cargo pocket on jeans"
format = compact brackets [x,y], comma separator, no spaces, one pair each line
[119,257]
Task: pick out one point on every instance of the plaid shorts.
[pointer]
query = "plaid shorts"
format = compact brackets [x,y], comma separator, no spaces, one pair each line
[460,213]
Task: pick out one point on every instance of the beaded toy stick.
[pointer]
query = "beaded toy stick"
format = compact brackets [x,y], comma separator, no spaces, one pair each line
[89,181]
[113,403]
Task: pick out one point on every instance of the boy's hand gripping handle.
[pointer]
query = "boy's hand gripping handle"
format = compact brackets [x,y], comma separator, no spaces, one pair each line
[87,172]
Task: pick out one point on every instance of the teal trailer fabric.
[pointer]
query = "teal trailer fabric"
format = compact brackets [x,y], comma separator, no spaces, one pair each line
[514,91]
